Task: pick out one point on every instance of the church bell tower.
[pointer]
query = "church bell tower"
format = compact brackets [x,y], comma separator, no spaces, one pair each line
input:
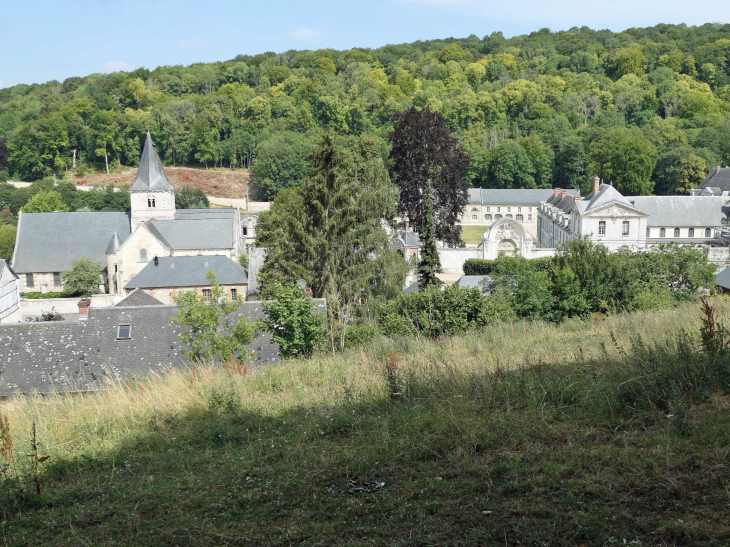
[151,196]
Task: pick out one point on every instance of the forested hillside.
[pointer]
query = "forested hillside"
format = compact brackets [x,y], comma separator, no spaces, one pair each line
[644,108]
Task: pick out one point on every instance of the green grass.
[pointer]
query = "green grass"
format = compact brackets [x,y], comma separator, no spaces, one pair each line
[600,432]
[472,235]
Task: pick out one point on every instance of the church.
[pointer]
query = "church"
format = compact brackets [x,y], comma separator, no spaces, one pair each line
[122,243]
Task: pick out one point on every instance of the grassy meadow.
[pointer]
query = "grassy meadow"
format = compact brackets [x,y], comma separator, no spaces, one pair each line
[472,235]
[608,431]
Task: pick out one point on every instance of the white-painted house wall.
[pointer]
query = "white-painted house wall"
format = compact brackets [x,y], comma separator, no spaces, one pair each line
[9,297]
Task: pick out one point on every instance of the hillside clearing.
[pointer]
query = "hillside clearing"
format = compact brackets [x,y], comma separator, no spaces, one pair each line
[597,432]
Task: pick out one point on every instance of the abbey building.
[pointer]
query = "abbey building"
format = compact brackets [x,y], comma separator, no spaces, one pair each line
[122,243]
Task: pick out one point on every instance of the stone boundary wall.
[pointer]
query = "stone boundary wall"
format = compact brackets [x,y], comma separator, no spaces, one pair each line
[31,307]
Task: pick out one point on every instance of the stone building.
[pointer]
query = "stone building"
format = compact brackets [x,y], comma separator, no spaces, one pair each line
[122,243]
[9,294]
[488,205]
[616,221]
[164,277]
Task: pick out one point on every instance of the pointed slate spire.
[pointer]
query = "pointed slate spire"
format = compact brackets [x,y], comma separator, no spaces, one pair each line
[151,175]
[114,244]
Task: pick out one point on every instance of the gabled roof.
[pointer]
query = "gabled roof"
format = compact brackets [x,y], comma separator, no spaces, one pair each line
[48,242]
[682,211]
[188,271]
[138,298]
[408,238]
[718,178]
[4,266]
[723,279]
[204,233]
[607,195]
[472,281]
[151,175]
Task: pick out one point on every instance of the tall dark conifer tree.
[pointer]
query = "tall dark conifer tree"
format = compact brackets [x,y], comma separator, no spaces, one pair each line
[423,150]
[430,264]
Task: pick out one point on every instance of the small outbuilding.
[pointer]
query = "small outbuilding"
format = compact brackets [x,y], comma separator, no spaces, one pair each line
[723,281]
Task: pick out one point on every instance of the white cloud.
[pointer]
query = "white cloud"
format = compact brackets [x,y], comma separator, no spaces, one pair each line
[304,33]
[116,66]
[193,43]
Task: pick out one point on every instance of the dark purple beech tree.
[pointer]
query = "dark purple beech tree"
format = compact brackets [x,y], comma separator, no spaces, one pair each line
[423,149]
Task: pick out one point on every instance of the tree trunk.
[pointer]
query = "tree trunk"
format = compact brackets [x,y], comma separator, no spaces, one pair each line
[106,160]
[73,166]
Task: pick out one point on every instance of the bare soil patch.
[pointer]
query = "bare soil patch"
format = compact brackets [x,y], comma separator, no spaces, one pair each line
[225,183]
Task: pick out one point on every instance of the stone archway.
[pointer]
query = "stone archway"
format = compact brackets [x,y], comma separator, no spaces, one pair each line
[508,237]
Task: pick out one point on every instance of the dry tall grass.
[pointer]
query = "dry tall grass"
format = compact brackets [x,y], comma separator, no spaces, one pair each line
[94,423]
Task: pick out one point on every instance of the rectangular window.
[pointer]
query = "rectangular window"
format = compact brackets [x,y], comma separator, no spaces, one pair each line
[473,217]
[57,279]
[519,209]
[648,232]
[625,228]
[245,231]
[207,294]
[487,209]
[601,227]
[29,280]
[529,218]
[499,209]
[234,294]
[124,332]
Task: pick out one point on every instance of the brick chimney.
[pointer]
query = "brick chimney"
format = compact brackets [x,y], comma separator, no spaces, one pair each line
[578,198]
[556,191]
[563,193]
[596,185]
[84,304]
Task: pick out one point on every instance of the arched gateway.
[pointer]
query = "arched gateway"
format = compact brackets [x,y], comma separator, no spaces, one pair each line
[507,237]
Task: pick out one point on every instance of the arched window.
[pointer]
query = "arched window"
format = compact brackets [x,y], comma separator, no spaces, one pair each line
[150,201]
[488,217]
[497,217]
[676,232]
[474,209]
[143,255]
[691,232]
[519,217]
[508,216]
[663,232]
[708,233]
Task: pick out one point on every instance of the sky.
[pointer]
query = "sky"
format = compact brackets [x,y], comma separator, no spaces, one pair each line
[43,40]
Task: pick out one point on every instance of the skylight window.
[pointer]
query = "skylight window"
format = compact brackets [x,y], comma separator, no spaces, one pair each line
[124,332]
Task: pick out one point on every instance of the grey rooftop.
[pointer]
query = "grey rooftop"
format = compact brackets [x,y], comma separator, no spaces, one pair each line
[500,196]
[681,211]
[48,242]
[188,271]
[718,179]
[151,175]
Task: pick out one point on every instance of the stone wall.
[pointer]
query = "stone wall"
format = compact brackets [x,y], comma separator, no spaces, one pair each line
[256,257]
[31,308]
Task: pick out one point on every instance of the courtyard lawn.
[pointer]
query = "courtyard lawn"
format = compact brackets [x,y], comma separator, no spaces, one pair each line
[472,235]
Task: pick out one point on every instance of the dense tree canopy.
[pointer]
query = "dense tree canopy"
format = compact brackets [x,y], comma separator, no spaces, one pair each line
[546,97]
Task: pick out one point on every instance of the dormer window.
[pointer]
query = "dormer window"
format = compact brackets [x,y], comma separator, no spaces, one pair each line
[151,202]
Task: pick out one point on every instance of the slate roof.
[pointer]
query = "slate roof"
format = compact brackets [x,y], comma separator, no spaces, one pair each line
[48,242]
[151,175]
[138,298]
[682,210]
[472,281]
[188,271]
[114,244]
[203,233]
[408,238]
[718,178]
[606,195]
[3,266]
[723,279]
[77,356]
[497,196]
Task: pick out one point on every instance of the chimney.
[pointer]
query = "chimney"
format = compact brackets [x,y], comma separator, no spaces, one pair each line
[157,262]
[556,191]
[84,304]
[578,197]
[563,193]
[596,185]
